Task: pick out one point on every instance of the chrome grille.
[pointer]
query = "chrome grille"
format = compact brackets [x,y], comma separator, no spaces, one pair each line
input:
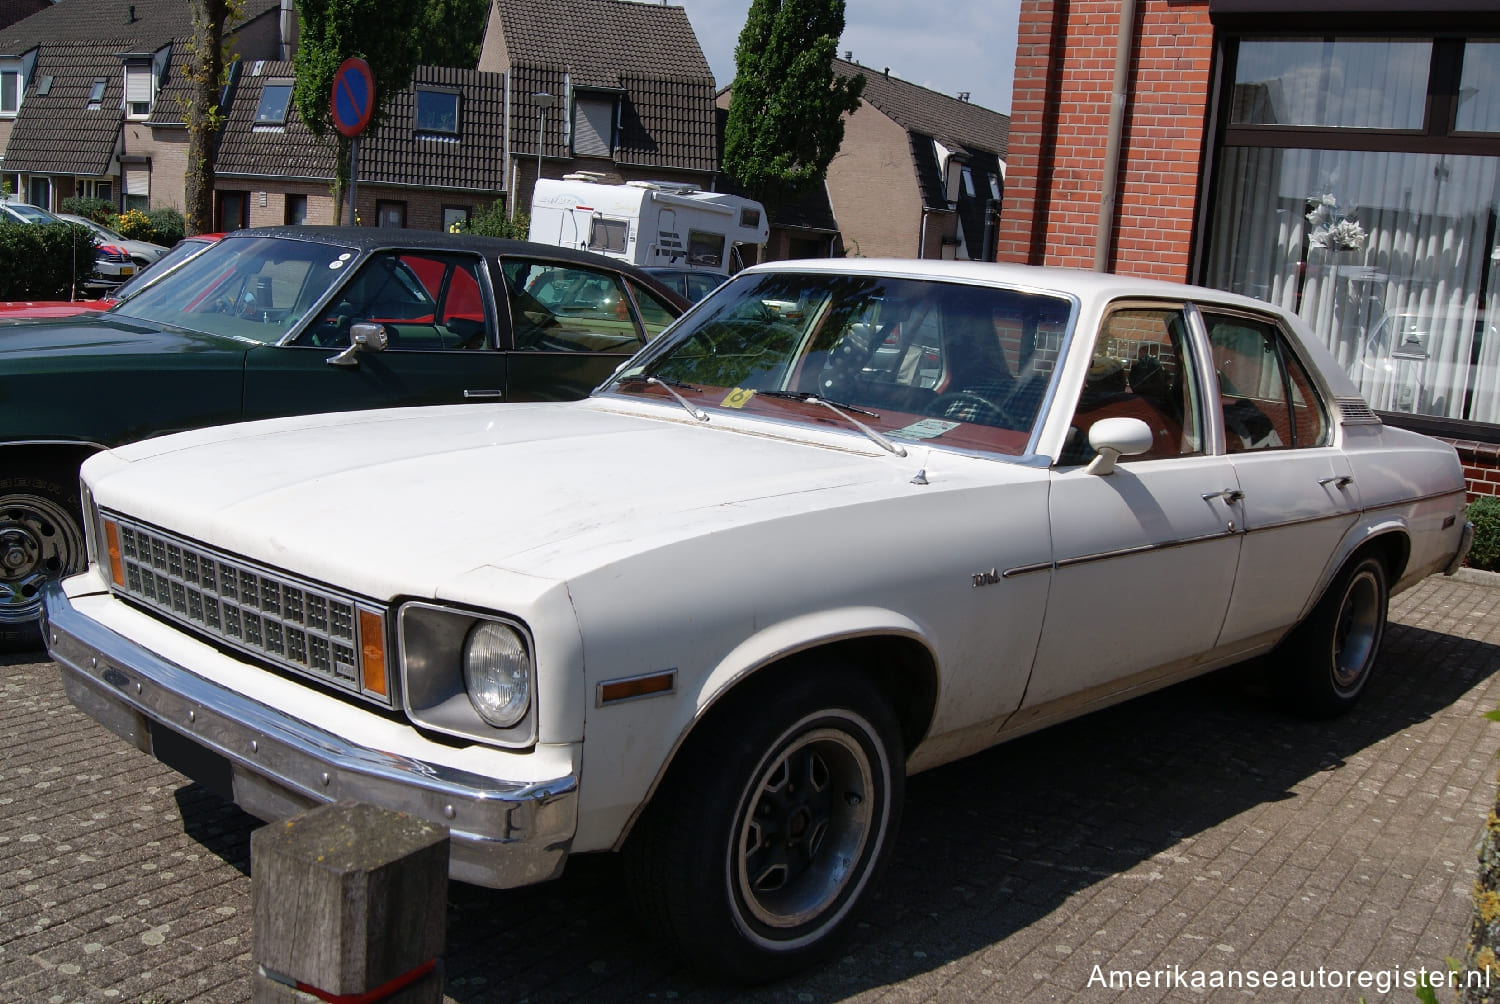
[297,625]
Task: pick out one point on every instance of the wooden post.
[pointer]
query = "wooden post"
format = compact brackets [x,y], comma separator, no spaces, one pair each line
[349,901]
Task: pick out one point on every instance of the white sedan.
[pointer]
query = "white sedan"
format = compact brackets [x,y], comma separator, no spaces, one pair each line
[845,521]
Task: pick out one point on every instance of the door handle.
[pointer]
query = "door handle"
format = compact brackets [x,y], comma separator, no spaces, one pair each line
[470,395]
[1338,481]
[1230,495]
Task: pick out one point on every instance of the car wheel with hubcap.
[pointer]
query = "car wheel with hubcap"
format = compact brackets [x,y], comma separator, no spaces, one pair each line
[772,826]
[41,539]
[1329,657]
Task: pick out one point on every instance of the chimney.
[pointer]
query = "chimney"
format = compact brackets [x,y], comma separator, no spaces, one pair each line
[887,69]
[963,96]
[131,18]
[848,55]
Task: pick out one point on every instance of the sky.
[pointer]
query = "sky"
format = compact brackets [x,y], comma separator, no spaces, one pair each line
[948,46]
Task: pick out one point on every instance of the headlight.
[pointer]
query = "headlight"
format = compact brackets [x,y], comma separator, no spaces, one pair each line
[497,673]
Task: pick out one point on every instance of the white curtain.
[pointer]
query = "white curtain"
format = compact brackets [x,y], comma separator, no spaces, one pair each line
[1383,254]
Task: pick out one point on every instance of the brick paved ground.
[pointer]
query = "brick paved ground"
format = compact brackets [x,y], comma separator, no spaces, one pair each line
[1198,828]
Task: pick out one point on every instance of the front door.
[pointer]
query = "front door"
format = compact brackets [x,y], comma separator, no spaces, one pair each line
[1143,558]
[442,347]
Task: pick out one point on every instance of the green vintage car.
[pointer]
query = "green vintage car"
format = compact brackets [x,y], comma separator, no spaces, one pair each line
[285,321]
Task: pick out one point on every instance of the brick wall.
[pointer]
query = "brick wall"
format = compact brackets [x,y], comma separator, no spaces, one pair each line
[1481,466]
[1060,121]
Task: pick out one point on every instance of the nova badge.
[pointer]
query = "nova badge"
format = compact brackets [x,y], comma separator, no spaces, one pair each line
[986,578]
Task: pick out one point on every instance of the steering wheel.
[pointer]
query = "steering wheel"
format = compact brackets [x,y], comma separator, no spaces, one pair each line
[968,406]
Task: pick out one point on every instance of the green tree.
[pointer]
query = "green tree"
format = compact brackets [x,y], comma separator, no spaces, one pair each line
[784,121]
[208,58]
[384,33]
[450,32]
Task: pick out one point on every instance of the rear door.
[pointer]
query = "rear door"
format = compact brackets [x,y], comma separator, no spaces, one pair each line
[1298,492]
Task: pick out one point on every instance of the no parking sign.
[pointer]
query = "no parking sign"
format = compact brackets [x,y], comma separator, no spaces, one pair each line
[353,97]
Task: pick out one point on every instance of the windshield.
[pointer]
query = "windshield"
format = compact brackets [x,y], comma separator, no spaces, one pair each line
[249,287]
[914,359]
[179,252]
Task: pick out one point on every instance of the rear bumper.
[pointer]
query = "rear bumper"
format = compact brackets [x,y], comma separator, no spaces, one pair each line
[1465,542]
[503,833]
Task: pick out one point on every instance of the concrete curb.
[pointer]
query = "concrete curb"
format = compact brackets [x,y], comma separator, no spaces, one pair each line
[1478,577]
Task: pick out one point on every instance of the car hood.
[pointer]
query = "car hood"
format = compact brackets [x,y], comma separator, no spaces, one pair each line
[114,334]
[401,501]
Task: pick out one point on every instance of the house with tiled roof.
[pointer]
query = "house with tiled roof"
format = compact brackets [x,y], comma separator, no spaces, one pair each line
[85,97]
[919,174]
[432,162]
[612,87]
[12,11]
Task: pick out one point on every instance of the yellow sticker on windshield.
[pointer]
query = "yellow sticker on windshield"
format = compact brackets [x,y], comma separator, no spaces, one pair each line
[737,398]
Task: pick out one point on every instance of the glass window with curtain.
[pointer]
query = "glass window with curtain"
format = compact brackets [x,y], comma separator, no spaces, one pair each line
[1340,195]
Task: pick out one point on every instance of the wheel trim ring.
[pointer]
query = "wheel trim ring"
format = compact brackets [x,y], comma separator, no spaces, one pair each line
[49,535]
[1356,635]
[755,919]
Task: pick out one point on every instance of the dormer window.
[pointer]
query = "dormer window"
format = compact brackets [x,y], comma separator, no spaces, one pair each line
[275,99]
[437,112]
[594,115]
[96,95]
[10,88]
[140,88]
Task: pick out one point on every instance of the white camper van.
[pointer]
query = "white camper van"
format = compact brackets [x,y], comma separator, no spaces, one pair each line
[647,222]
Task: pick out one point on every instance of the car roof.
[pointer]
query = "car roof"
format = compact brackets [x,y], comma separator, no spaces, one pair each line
[1081,283]
[368,239]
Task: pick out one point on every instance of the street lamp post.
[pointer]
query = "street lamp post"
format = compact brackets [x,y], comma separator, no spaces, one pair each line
[543,101]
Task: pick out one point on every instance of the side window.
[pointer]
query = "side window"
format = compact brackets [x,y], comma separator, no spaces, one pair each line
[1268,400]
[568,308]
[427,302]
[1141,367]
[655,315]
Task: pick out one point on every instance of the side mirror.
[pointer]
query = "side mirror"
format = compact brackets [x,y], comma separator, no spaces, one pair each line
[365,336]
[1114,438]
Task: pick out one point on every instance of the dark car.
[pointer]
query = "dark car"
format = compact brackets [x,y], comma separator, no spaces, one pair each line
[293,320]
[692,283]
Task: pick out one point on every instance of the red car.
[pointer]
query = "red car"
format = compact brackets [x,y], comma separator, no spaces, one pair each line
[29,310]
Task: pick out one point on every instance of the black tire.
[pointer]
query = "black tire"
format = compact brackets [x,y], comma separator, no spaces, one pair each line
[772,826]
[41,539]
[1326,662]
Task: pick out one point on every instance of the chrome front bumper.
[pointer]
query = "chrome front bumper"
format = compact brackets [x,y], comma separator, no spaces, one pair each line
[503,834]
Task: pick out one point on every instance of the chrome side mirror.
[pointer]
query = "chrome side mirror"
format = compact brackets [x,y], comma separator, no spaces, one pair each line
[1114,438]
[365,336]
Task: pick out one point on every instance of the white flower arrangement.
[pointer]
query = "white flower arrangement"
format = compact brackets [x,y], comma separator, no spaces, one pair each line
[1331,228]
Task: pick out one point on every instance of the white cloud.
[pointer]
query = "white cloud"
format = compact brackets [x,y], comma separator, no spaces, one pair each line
[960,45]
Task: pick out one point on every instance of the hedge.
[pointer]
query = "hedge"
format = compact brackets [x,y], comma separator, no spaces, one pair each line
[44,262]
[1484,513]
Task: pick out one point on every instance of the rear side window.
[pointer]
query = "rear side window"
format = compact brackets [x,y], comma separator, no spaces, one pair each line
[1268,399]
[569,308]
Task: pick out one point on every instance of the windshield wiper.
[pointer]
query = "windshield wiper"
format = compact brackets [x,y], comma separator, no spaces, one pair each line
[667,385]
[842,410]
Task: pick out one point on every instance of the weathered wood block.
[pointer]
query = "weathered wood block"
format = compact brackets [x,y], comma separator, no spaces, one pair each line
[347,898]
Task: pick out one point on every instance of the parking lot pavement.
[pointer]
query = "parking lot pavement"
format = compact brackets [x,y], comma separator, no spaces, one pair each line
[1194,831]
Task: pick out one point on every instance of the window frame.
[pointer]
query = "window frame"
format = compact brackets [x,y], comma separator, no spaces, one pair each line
[12,69]
[134,68]
[429,129]
[261,120]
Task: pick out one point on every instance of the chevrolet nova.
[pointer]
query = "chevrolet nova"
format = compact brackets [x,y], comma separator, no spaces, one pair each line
[843,522]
